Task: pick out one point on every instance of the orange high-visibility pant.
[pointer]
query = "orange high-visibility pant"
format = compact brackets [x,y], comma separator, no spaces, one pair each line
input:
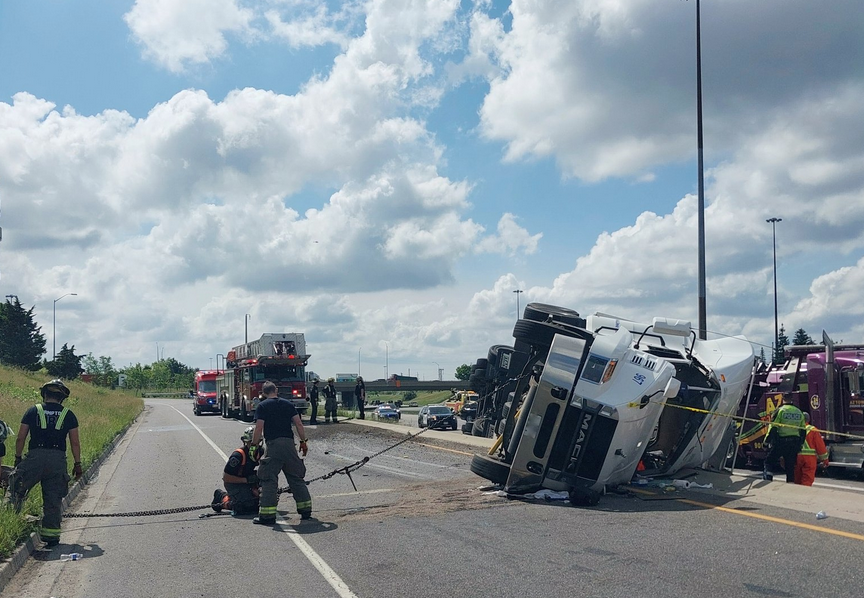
[805,470]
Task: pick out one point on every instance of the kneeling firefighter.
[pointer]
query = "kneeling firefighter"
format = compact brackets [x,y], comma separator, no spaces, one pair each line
[240,479]
[47,424]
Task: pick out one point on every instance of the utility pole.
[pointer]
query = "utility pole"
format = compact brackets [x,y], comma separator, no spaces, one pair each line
[518,292]
[703,326]
[773,222]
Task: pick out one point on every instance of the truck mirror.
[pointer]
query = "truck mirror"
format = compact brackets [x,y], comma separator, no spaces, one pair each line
[672,388]
[671,326]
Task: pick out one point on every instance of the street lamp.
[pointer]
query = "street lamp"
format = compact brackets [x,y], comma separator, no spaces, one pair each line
[10,297]
[54,330]
[386,361]
[518,292]
[358,359]
[703,326]
[211,363]
[246,323]
[439,370]
[773,222]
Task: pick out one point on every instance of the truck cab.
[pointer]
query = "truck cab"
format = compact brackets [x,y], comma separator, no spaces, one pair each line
[597,396]
[204,395]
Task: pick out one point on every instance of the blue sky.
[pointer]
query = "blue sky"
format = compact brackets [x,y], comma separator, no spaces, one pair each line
[390,171]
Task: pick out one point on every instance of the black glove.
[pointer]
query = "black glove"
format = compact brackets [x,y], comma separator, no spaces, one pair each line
[17,460]
[252,479]
[77,471]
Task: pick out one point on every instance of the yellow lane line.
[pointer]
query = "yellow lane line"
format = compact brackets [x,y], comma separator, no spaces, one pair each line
[441,448]
[814,528]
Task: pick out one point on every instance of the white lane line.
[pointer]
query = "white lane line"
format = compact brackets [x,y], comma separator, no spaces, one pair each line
[375,491]
[203,435]
[324,569]
[392,470]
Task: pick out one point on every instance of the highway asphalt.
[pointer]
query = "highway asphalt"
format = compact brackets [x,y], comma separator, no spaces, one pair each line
[419,526]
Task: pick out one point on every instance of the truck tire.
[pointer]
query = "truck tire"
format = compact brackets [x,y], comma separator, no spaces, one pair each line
[492,469]
[541,334]
[541,312]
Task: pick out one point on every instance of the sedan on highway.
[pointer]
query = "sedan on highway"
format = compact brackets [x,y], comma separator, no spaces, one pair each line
[386,413]
[436,416]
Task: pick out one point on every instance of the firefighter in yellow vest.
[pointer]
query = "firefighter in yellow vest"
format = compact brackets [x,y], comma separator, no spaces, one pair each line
[812,450]
[47,424]
[785,435]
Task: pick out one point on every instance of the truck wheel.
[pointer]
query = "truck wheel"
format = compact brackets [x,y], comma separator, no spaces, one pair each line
[492,469]
[541,334]
[541,312]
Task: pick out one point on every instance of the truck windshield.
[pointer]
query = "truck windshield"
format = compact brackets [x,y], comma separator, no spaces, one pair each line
[280,373]
[206,386]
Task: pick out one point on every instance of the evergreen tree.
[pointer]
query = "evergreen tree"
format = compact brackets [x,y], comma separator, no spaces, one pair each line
[762,354]
[67,365]
[782,342]
[802,338]
[22,343]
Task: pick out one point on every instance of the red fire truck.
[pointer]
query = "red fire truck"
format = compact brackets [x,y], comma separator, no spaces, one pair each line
[204,393]
[279,357]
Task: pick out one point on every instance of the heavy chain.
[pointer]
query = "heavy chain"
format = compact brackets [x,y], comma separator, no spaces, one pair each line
[346,470]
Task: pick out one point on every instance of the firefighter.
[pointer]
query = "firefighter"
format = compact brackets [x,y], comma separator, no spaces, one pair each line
[240,479]
[785,435]
[48,424]
[274,417]
[313,398]
[812,449]
[330,401]
[360,396]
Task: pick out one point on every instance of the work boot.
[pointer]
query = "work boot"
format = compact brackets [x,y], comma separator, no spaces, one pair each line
[216,505]
[305,515]
[52,542]
[264,521]
[335,420]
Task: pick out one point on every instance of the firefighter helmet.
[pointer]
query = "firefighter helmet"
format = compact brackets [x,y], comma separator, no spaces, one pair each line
[56,387]
[247,434]
[331,379]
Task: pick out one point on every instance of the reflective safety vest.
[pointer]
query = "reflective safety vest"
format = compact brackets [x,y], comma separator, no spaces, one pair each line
[43,421]
[813,444]
[791,418]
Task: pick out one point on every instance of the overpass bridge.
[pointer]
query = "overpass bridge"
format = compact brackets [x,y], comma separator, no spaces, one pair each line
[400,385]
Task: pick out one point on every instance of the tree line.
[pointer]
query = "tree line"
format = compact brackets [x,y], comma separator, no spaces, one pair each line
[22,345]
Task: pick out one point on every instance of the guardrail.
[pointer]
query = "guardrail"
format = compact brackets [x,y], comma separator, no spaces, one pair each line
[164,395]
[401,385]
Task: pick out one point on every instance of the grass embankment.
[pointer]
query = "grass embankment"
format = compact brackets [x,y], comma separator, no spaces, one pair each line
[101,414]
[424,397]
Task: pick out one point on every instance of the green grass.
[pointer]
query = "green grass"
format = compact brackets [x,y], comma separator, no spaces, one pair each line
[101,414]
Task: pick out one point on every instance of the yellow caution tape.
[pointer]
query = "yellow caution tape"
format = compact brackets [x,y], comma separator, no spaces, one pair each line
[748,419]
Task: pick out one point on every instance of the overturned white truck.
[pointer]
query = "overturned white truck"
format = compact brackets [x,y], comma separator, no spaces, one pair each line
[577,403]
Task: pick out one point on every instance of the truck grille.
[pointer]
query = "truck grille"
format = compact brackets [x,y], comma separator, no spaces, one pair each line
[582,444]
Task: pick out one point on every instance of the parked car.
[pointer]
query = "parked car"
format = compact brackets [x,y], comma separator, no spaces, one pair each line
[436,416]
[386,412]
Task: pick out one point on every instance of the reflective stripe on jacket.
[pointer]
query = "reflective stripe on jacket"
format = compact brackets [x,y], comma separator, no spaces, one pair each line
[43,421]
[791,419]
[813,444]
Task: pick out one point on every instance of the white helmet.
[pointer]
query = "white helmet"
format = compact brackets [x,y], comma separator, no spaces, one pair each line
[5,431]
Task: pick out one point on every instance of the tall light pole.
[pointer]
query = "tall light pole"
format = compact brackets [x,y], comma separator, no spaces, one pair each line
[773,222]
[54,327]
[518,292]
[703,327]
[386,361]
[439,370]
[10,297]
[358,359]
[211,363]
[246,323]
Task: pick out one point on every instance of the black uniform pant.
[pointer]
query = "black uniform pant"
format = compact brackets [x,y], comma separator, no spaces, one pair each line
[786,447]
[361,406]
[47,466]
[314,417]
